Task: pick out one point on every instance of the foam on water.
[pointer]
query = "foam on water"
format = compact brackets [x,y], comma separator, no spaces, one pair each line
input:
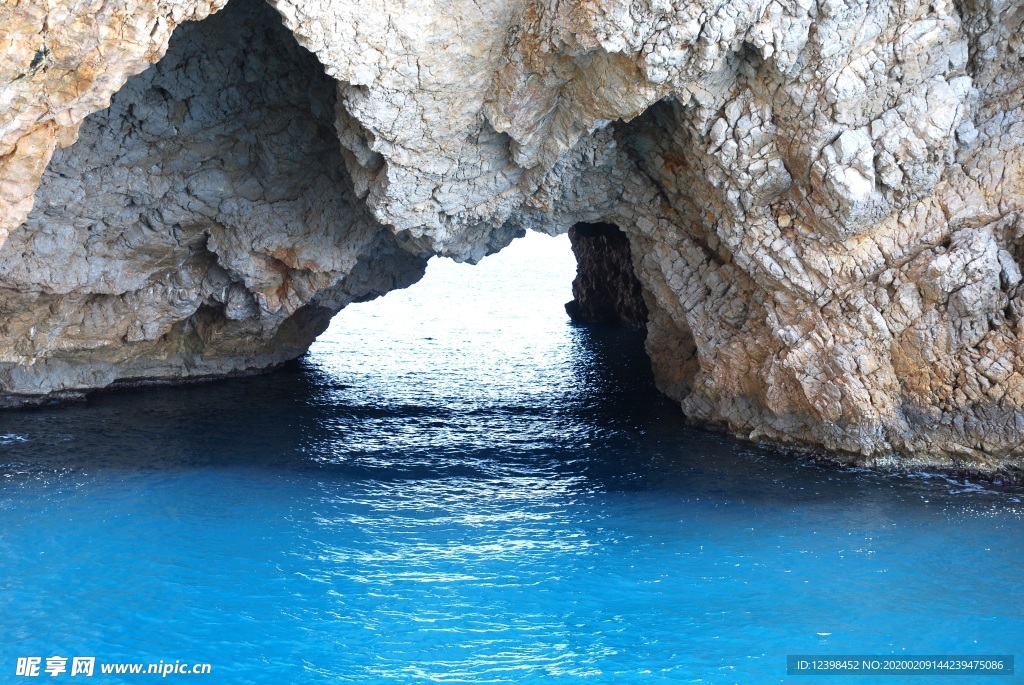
[457,485]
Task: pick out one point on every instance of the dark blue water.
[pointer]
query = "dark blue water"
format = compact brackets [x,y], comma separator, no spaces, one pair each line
[457,485]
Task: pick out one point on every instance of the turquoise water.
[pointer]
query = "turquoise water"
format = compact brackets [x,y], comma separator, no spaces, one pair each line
[457,485]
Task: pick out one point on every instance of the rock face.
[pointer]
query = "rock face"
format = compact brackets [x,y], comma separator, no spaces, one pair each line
[606,289]
[822,201]
[202,225]
[62,61]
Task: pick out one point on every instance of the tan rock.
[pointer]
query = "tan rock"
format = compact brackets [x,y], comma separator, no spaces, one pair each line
[822,200]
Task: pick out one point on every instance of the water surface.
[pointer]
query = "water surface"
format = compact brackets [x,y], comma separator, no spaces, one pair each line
[457,485]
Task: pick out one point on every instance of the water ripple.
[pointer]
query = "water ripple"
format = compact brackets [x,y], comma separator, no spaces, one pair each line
[475,493]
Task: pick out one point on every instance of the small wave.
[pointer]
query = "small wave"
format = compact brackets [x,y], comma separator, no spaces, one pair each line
[12,438]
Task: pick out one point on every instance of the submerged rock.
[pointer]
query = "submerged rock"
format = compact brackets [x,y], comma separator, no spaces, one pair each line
[821,200]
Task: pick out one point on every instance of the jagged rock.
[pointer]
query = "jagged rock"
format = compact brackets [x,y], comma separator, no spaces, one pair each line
[202,225]
[822,200]
[606,289]
[61,62]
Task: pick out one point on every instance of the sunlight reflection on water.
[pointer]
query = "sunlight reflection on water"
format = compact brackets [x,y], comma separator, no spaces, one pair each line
[457,485]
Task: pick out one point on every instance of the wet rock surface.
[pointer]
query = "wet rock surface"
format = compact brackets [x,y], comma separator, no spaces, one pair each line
[822,201]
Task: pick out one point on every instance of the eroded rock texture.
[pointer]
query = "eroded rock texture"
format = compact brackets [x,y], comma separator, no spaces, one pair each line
[606,289]
[822,199]
[202,225]
[61,62]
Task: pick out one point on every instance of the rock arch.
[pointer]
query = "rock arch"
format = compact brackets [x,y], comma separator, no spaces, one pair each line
[822,200]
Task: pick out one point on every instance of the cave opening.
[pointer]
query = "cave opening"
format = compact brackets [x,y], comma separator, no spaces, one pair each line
[495,336]
[202,225]
[205,225]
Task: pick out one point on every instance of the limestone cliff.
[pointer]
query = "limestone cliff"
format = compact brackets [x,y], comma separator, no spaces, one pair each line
[822,200]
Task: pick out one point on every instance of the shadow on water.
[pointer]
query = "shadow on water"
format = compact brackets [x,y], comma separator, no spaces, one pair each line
[286,418]
[611,432]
